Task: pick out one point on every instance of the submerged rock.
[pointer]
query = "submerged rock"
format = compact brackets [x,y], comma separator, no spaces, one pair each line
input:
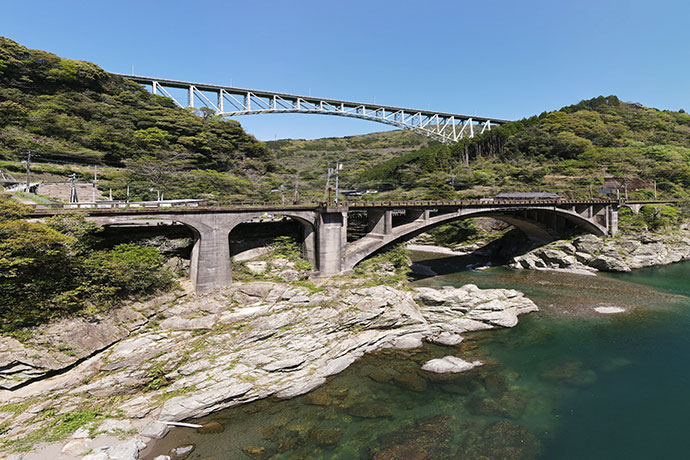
[411,381]
[180,453]
[426,439]
[504,440]
[256,452]
[510,404]
[369,410]
[326,437]
[571,373]
[319,398]
[211,428]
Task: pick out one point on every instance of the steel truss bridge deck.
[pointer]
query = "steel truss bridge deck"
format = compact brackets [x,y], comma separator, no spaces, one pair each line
[229,101]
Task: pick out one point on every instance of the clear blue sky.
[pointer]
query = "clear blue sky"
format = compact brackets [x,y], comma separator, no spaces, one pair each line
[504,59]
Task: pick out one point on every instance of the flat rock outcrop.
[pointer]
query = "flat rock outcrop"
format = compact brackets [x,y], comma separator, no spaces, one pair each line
[620,254]
[200,354]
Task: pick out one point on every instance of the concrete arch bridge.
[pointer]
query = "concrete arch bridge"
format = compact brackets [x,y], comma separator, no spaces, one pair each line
[325,230]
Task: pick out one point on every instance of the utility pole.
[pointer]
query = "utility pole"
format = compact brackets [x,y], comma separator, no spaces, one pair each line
[73,193]
[338,167]
[28,170]
[282,194]
[93,188]
[296,192]
[326,194]
[655,189]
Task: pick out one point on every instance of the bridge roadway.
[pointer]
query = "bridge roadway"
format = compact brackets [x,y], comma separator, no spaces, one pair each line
[324,226]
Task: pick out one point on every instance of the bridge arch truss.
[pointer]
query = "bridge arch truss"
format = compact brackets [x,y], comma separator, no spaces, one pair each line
[228,101]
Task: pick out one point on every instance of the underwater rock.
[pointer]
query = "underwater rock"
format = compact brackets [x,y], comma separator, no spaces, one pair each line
[211,428]
[411,381]
[256,452]
[501,440]
[461,387]
[326,437]
[319,398]
[380,375]
[426,439]
[495,384]
[180,453]
[369,410]
[571,373]
[511,404]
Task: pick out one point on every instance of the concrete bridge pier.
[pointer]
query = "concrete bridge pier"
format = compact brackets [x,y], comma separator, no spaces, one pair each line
[611,213]
[210,266]
[379,222]
[331,234]
[213,248]
[309,244]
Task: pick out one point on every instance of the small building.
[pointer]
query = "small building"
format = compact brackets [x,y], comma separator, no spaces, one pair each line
[528,196]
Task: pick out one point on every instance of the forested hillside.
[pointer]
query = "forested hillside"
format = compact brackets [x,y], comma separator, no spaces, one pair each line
[74,111]
[583,147]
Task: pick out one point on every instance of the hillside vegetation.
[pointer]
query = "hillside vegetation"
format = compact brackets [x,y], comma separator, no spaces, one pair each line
[74,111]
[570,151]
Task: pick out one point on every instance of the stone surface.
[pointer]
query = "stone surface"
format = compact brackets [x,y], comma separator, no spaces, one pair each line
[155,430]
[260,339]
[76,447]
[609,310]
[449,365]
[446,338]
[620,254]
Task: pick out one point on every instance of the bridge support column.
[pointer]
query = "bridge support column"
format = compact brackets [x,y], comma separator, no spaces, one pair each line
[612,217]
[210,264]
[418,214]
[309,244]
[379,222]
[331,226]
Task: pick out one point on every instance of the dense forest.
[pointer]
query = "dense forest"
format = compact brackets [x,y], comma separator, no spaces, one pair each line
[74,111]
[571,151]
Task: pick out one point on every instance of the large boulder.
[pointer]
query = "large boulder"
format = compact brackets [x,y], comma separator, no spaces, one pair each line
[449,365]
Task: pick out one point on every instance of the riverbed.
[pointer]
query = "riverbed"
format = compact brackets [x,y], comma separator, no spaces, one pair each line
[566,382]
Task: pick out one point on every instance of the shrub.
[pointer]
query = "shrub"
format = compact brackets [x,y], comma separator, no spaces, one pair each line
[127,269]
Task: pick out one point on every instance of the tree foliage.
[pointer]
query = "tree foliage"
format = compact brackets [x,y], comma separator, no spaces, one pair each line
[75,110]
[48,270]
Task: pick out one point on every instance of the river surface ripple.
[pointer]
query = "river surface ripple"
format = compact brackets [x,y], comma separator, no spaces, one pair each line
[565,383]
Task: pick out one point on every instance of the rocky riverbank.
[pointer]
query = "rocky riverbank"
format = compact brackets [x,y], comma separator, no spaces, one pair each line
[193,355]
[589,253]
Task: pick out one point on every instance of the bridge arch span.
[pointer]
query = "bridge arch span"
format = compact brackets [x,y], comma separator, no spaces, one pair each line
[436,134]
[543,225]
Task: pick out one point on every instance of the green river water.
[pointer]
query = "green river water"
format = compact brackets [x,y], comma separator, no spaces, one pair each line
[565,383]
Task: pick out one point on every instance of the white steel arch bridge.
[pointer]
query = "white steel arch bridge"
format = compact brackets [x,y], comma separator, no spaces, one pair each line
[229,101]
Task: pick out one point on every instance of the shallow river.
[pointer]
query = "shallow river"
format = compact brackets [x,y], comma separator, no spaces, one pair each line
[565,383]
